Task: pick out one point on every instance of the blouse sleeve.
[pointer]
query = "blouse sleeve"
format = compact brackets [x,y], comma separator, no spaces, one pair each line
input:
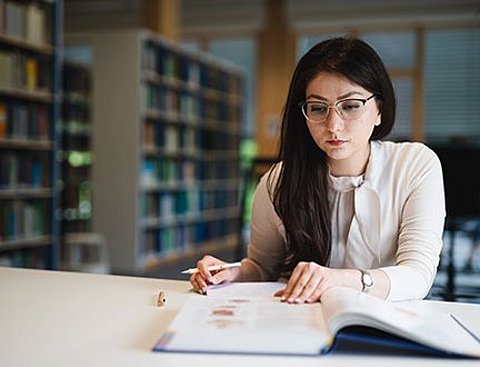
[420,232]
[266,249]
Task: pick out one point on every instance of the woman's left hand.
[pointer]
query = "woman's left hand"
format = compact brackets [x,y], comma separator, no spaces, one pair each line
[308,282]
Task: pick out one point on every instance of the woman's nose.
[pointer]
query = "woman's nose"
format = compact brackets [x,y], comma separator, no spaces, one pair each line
[334,122]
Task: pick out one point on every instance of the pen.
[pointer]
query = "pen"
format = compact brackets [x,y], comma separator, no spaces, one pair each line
[214,268]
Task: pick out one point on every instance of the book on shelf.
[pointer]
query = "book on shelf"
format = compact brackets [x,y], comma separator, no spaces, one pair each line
[246,318]
[22,171]
[21,71]
[26,21]
[21,219]
[3,120]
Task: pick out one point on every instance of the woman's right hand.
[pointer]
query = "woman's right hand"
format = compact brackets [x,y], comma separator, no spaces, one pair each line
[203,278]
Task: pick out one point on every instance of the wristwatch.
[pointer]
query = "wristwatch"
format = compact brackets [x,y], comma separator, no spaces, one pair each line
[367,280]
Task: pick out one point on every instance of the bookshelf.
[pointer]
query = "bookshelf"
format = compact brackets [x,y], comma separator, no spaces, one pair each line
[29,110]
[166,146]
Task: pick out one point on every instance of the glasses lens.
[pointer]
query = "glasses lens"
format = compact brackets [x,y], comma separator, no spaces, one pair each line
[350,109]
[315,111]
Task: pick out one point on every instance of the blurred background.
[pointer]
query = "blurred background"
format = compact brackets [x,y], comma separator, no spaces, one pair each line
[132,133]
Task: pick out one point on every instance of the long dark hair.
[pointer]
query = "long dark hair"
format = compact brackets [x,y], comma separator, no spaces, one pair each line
[300,196]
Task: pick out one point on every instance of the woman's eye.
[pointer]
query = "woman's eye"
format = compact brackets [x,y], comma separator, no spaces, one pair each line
[350,105]
[318,108]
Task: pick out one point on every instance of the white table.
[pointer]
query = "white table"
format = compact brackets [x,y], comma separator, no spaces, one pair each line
[52,318]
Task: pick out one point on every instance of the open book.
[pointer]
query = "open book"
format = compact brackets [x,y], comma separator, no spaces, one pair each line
[246,318]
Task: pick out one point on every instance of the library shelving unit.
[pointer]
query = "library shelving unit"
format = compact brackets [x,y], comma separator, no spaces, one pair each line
[30,48]
[80,248]
[166,146]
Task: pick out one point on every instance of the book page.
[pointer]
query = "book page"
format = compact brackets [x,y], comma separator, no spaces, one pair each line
[346,307]
[245,289]
[246,318]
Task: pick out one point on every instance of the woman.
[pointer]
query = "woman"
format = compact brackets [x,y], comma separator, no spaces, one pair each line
[343,207]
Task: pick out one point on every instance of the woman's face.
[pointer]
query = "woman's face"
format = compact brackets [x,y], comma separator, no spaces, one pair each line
[344,140]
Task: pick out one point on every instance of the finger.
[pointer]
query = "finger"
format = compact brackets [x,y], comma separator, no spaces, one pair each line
[292,281]
[195,285]
[193,282]
[203,265]
[302,282]
[311,287]
[317,294]
[222,276]
[199,282]
[279,293]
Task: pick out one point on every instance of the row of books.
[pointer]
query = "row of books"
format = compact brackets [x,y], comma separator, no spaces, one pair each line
[32,258]
[158,60]
[168,205]
[23,71]
[191,70]
[174,239]
[19,120]
[212,140]
[25,170]
[25,21]
[168,171]
[171,102]
[185,105]
[217,169]
[22,219]
[219,110]
[170,137]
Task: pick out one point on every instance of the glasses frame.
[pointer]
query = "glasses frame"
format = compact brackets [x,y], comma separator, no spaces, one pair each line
[330,107]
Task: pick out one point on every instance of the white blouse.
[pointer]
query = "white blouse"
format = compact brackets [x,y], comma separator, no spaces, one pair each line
[390,218]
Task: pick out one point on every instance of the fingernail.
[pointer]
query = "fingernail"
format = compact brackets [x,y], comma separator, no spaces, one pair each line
[297,300]
[283,298]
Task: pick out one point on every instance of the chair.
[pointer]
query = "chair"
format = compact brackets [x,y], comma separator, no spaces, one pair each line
[84,252]
[460,164]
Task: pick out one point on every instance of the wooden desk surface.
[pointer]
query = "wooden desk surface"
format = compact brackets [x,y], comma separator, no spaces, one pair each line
[53,318]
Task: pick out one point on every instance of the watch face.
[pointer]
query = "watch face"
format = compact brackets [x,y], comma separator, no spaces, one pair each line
[367,279]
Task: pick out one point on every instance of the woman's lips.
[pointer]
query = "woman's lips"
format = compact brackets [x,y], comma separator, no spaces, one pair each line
[336,143]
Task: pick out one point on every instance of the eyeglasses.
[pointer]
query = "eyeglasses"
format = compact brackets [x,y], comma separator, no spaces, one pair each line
[348,109]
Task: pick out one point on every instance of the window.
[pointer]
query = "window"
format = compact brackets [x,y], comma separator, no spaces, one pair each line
[305,43]
[402,130]
[452,85]
[397,49]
